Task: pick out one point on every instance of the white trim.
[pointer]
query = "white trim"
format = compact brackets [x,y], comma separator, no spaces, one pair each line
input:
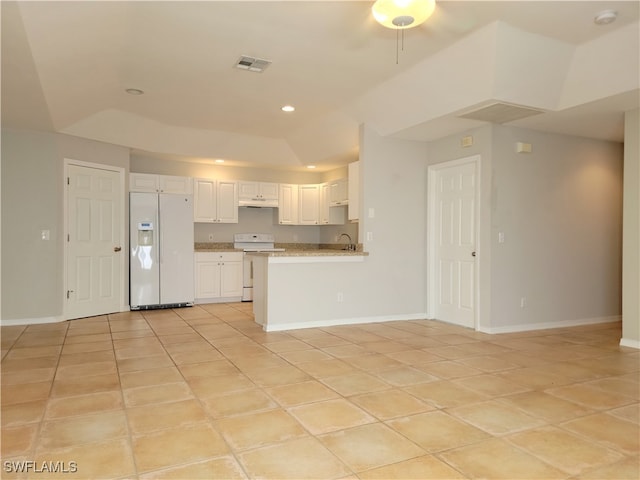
[123,227]
[342,321]
[317,259]
[31,321]
[626,342]
[203,301]
[550,325]
[430,257]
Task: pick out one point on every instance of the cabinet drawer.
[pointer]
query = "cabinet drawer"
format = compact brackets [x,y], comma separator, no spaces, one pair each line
[218,256]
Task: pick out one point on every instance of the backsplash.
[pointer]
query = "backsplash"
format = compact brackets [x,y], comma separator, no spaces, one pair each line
[264,220]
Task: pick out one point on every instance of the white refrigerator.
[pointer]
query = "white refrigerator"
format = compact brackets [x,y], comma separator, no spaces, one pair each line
[161,250]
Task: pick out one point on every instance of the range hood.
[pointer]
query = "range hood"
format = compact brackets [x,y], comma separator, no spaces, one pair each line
[258,203]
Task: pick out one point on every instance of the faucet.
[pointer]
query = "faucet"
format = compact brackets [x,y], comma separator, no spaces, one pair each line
[350,246]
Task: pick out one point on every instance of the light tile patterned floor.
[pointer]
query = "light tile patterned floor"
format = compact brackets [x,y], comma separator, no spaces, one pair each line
[203,392]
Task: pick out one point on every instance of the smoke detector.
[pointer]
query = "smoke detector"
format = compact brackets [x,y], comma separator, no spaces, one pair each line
[252,64]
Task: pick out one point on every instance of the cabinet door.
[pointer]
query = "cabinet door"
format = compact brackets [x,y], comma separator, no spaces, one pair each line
[249,190]
[172,184]
[309,204]
[204,210]
[227,202]
[338,194]
[207,279]
[143,182]
[269,191]
[288,204]
[231,279]
[324,203]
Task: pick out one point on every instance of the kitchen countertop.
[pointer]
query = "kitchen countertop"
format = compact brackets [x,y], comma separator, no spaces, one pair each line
[324,252]
[291,250]
[215,247]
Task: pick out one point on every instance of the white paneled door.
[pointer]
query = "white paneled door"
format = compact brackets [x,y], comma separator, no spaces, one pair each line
[94,241]
[453,238]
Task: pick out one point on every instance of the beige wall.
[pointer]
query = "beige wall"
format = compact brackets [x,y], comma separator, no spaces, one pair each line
[143,164]
[631,235]
[32,200]
[560,209]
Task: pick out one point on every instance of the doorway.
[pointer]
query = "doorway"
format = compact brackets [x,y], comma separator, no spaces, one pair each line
[94,239]
[454,197]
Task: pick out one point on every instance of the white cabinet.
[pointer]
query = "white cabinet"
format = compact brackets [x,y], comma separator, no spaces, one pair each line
[258,194]
[308,204]
[218,276]
[288,204]
[215,201]
[354,191]
[330,215]
[338,192]
[146,182]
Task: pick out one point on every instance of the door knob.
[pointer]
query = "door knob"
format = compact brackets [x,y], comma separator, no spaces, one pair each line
[117,249]
[473,254]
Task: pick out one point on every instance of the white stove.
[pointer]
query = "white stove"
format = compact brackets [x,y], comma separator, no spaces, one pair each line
[252,242]
[255,242]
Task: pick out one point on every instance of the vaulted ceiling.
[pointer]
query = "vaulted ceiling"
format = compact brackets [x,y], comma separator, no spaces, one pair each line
[66,67]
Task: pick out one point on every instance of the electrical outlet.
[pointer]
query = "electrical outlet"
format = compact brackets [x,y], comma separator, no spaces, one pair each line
[523,302]
[340,297]
[211,237]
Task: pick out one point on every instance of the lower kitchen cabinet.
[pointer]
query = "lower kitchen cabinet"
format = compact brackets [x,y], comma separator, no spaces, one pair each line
[218,277]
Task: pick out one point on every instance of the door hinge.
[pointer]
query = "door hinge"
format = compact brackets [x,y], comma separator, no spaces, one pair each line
[68,238]
[69,292]
[68,181]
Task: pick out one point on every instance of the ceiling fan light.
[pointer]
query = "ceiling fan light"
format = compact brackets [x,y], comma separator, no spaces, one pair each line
[401,14]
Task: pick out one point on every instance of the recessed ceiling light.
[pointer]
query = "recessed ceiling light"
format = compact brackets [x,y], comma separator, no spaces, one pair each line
[134,91]
[606,17]
[311,167]
[288,108]
[219,160]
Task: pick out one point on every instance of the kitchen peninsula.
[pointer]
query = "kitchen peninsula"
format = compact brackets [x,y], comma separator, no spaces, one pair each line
[303,288]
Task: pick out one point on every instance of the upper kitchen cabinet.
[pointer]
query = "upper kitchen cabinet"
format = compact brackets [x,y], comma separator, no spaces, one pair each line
[257,194]
[354,191]
[288,204]
[328,214]
[146,182]
[215,201]
[308,204]
[338,192]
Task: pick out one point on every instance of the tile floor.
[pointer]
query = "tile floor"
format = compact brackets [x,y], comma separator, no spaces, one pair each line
[203,392]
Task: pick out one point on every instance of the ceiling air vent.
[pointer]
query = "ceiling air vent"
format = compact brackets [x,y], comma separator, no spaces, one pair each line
[501,113]
[252,64]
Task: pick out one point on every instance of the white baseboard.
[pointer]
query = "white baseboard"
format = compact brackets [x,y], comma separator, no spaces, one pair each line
[550,325]
[627,342]
[30,321]
[278,327]
[200,301]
